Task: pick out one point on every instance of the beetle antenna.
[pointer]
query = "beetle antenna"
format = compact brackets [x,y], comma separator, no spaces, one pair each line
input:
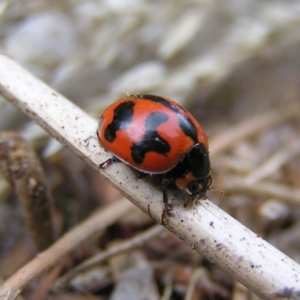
[218,191]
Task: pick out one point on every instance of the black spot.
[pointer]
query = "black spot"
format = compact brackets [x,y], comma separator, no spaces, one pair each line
[185,123]
[188,127]
[122,118]
[151,141]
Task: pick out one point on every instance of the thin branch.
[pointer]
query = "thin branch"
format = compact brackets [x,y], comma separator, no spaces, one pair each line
[206,228]
[121,247]
[264,189]
[252,126]
[51,256]
[274,163]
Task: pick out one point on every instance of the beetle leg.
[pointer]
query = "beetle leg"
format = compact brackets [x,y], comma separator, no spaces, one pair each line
[165,210]
[109,162]
[142,175]
[190,199]
[167,207]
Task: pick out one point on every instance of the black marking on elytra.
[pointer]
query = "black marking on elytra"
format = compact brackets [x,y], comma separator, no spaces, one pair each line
[185,123]
[151,141]
[122,118]
[188,127]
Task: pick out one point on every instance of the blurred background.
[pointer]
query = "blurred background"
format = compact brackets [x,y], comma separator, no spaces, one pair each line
[231,63]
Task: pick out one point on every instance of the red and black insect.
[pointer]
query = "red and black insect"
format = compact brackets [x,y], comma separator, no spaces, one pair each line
[156,136]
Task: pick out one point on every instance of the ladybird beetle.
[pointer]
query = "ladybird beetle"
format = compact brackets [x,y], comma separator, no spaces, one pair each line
[156,136]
